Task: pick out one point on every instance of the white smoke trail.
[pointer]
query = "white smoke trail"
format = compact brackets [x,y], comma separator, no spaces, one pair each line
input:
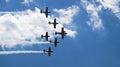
[20,52]
[22,43]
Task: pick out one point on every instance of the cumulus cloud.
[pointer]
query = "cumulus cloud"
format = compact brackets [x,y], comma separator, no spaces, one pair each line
[67,13]
[95,21]
[65,17]
[26,27]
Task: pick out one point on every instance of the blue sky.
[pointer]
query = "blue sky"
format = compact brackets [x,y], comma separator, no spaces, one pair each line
[96,44]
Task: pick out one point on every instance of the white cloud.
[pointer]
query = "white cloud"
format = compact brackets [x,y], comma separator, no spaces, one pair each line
[27,2]
[67,13]
[94,7]
[66,17]
[113,5]
[18,27]
[95,21]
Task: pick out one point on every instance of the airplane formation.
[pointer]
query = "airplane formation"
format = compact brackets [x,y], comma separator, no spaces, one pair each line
[46,36]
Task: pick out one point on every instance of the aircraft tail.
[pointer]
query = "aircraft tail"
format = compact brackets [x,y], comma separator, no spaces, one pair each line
[44,51]
[41,11]
[41,36]
[50,41]
[49,22]
[56,33]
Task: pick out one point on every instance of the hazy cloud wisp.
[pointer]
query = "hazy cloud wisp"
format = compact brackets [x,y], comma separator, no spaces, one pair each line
[95,21]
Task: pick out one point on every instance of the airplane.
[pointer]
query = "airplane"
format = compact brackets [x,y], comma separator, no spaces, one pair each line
[54,23]
[63,33]
[46,36]
[46,12]
[55,42]
[49,51]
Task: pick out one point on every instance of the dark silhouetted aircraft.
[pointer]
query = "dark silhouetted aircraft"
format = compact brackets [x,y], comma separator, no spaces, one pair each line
[55,42]
[46,12]
[49,51]
[46,36]
[54,23]
[63,33]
